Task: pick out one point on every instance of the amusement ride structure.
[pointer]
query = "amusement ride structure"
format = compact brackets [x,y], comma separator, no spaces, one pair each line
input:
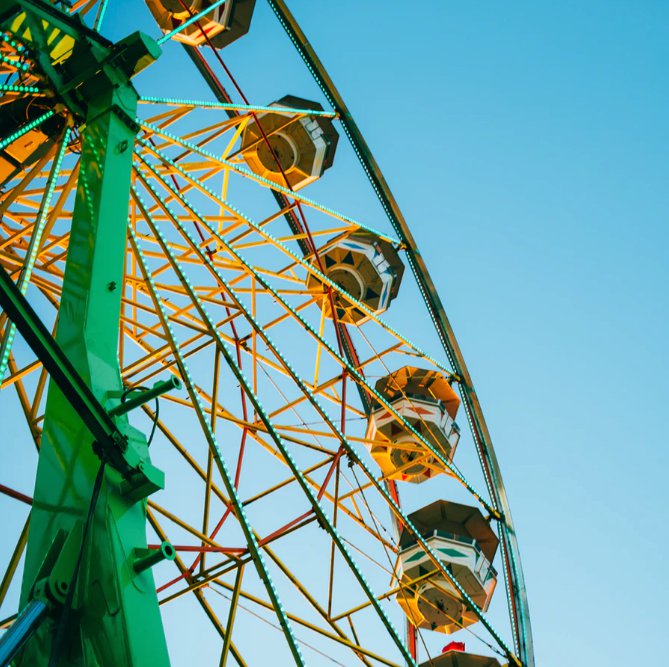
[237,456]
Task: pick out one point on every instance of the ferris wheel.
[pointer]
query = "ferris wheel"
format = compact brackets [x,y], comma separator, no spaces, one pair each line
[239,427]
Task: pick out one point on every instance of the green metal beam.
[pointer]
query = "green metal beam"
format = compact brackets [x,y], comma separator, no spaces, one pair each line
[48,12]
[55,361]
[115,617]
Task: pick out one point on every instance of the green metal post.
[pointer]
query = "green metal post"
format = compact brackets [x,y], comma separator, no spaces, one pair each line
[115,619]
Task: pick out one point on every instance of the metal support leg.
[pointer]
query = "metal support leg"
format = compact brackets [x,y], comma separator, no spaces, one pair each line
[21,630]
[115,618]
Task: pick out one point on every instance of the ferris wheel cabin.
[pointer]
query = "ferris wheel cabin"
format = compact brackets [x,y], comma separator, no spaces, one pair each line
[364,267]
[220,27]
[458,658]
[291,150]
[466,545]
[428,404]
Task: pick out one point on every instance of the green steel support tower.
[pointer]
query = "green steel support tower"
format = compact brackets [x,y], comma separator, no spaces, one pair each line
[112,615]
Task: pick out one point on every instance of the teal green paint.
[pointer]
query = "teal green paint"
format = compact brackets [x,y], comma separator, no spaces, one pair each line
[12,88]
[116,618]
[416,556]
[452,552]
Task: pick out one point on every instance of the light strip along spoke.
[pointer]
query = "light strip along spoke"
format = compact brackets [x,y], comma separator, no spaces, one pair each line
[157,355]
[183,452]
[35,430]
[13,88]
[474,607]
[293,408]
[514,578]
[213,444]
[204,104]
[245,275]
[183,525]
[100,15]
[400,514]
[167,118]
[426,425]
[14,235]
[29,262]
[257,429]
[248,174]
[17,64]
[276,437]
[190,168]
[25,129]
[297,259]
[213,576]
[312,601]
[206,135]
[354,373]
[355,647]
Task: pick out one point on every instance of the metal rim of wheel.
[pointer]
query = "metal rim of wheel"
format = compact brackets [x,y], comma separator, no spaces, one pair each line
[306,417]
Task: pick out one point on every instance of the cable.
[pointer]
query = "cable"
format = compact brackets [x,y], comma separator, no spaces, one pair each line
[276,627]
[156,412]
[57,645]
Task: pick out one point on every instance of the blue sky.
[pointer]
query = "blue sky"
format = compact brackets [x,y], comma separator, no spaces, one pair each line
[526,144]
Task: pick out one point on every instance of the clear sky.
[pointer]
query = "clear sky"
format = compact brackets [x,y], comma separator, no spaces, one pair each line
[526,143]
[534,153]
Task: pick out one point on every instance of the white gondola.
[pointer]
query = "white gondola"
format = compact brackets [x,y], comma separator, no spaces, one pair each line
[458,658]
[465,544]
[219,27]
[291,150]
[364,267]
[428,403]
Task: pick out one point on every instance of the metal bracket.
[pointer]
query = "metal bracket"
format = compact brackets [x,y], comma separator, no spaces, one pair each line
[109,442]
